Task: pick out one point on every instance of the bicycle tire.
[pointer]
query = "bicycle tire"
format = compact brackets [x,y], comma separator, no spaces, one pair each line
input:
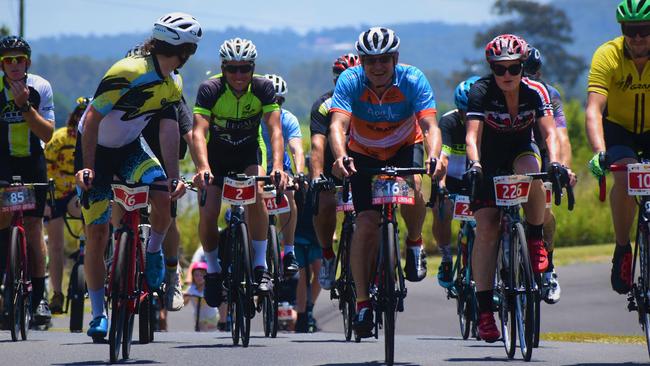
[118,302]
[246,291]
[389,287]
[144,320]
[538,295]
[77,297]
[525,309]
[504,293]
[461,290]
[234,310]
[347,299]
[644,279]
[273,258]
[12,288]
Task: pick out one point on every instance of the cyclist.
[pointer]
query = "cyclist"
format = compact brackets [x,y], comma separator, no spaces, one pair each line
[230,106]
[292,138]
[59,155]
[390,111]
[109,142]
[502,109]
[452,129]
[321,163]
[532,70]
[26,121]
[615,120]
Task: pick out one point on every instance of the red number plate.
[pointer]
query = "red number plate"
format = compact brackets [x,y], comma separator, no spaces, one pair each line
[387,190]
[272,207]
[462,211]
[239,192]
[548,188]
[131,198]
[638,179]
[511,190]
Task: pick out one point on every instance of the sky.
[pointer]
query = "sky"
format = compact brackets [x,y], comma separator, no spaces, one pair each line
[46,18]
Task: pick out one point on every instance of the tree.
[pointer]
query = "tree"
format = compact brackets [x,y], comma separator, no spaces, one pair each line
[546,28]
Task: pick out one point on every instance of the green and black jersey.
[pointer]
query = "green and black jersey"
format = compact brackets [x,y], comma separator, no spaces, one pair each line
[452,130]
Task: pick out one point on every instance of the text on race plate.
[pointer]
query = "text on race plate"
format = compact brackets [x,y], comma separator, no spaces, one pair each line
[131,198]
[511,190]
[387,190]
[638,179]
[239,192]
[18,199]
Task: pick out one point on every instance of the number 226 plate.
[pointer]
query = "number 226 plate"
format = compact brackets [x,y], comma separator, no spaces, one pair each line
[511,190]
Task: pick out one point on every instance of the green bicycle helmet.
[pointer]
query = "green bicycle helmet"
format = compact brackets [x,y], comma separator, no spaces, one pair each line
[633,11]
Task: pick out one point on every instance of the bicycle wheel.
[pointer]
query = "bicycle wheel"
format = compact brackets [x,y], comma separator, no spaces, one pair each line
[459,283]
[12,278]
[524,297]
[144,319]
[643,301]
[246,291]
[503,291]
[537,296]
[118,297]
[389,291]
[273,258]
[347,297]
[234,283]
[77,297]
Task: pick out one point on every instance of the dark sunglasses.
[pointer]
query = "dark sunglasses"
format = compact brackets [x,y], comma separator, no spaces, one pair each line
[633,30]
[371,60]
[233,69]
[500,70]
[19,59]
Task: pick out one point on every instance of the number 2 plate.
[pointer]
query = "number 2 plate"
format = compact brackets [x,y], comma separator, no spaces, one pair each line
[131,198]
[548,190]
[638,179]
[511,190]
[462,211]
[18,199]
[239,192]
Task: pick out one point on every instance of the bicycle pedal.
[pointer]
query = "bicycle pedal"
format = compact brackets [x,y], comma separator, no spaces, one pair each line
[631,306]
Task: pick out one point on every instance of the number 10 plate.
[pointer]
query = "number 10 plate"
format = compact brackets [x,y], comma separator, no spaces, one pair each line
[638,179]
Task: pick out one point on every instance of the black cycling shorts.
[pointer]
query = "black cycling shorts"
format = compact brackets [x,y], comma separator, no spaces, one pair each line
[621,143]
[31,169]
[226,159]
[411,156]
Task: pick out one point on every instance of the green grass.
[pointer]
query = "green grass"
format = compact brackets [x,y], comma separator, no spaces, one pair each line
[586,337]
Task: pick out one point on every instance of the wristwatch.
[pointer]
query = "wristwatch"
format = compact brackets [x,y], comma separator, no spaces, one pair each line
[26,107]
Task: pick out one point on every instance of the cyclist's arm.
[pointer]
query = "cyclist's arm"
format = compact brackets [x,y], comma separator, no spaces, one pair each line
[340,124]
[432,137]
[318,143]
[169,137]
[444,160]
[199,147]
[549,134]
[295,146]
[566,155]
[473,139]
[41,127]
[272,120]
[89,137]
[596,104]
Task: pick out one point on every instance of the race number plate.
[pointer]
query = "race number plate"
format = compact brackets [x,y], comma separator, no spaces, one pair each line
[341,205]
[638,179]
[511,190]
[18,198]
[131,198]
[387,190]
[239,192]
[274,208]
[548,189]
[462,211]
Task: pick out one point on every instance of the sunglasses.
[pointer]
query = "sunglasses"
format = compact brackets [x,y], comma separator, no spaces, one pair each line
[12,60]
[233,69]
[383,59]
[500,70]
[633,30]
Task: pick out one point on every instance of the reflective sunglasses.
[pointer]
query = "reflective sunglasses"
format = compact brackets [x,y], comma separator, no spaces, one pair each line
[18,59]
[233,69]
[371,60]
[500,70]
[633,30]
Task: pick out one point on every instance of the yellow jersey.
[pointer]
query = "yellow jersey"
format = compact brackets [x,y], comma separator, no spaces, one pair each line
[59,155]
[614,75]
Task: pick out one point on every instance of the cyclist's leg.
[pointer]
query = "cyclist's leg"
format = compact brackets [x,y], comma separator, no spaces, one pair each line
[174,295]
[55,247]
[288,222]
[257,218]
[441,229]
[484,257]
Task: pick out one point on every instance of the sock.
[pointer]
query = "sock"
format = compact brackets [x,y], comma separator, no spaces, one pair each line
[328,253]
[97,302]
[155,242]
[414,243]
[362,304]
[212,258]
[484,300]
[622,249]
[171,263]
[550,262]
[259,246]
[288,248]
[38,287]
[534,231]
[445,250]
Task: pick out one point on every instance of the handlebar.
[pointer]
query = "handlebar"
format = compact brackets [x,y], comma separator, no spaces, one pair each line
[84,194]
[204,191]
[174,205]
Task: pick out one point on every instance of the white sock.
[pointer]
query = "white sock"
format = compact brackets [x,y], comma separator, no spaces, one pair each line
[212,259]
[445,250]
[259,246]
[97,302]
[155,242]
[288,248]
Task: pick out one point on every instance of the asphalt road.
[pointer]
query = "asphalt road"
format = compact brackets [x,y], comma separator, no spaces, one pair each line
[427,334]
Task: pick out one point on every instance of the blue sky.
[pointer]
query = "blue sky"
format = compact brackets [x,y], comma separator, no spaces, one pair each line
[85,17]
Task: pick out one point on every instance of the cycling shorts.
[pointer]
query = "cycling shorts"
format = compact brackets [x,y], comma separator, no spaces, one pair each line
[226,159]
[621,143]
[61,205]
[311,253]
[133,162]
[456,186]
[31,169]
[411,156]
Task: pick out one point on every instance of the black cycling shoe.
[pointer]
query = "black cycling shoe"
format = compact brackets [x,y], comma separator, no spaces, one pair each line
[301,323]
[363,323]
[416,265]
[213,289]
[290,265]
[264,280]
[622,269]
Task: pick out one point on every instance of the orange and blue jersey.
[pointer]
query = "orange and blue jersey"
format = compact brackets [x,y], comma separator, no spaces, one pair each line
[380,126]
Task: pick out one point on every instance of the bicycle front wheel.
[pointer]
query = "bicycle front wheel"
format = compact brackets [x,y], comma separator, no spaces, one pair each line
[459,284]
[524,297]
[273,258]
[77,297]
[246,291]
[504,292]
[389,291]
[643,288]
[118,298]
[347,296]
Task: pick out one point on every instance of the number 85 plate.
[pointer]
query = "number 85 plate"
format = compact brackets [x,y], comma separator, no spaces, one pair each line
[17,199]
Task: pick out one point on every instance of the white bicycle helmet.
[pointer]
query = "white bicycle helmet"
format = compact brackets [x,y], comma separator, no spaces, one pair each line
[377,41]
[238,49]
[177,28]
[279,84]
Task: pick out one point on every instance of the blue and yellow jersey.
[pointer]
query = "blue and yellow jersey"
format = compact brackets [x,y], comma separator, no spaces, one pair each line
[132,92]
[381,126]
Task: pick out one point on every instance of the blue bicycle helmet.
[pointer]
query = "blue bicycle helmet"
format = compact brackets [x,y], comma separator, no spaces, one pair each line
[533,63]
[461,94]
